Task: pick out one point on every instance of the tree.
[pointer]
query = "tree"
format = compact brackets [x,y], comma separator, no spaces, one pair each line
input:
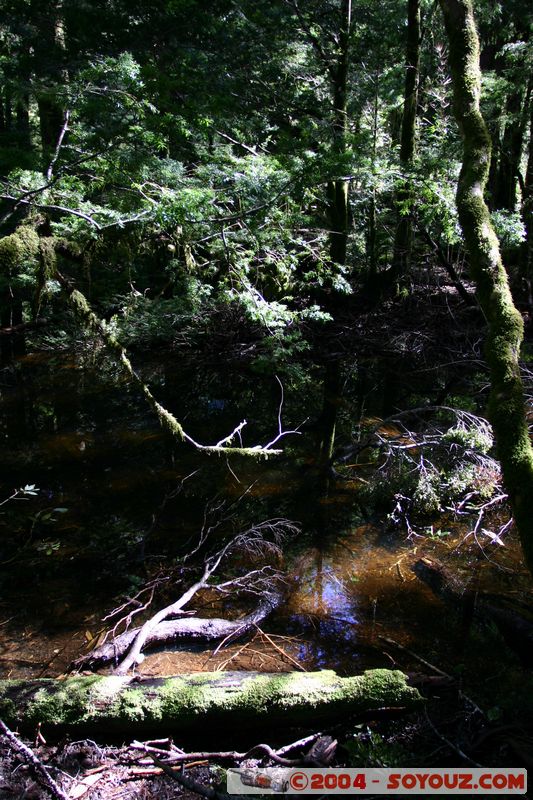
[404,227]
[505,326]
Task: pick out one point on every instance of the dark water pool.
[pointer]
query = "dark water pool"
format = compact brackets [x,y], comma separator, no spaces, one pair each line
[116,500]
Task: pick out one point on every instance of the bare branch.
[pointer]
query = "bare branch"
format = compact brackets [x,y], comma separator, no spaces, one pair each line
[236,432]
[254,542]
[59,144]
[42,774]
[281,432]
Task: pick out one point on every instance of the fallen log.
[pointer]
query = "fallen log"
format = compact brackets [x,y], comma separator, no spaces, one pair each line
[122,704]
[512,618]
[182,628]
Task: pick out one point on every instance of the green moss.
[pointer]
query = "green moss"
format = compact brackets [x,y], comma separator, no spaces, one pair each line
[8,707]
[185,700]
[61,702]
[132,706]
[47,251]
[19,250]
[46,270]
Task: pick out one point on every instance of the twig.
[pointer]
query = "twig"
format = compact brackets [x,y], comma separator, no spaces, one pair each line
[29,756]
[281,432]
[453,746]
[220,667]
[280,650]
[236,432]
[415,655]
[233,755]
[62,132]
[239,144]
[189,783]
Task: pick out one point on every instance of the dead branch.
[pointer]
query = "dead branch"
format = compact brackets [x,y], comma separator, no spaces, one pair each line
[150,625]
[41,773]
[252,540]
[188,783]
[282,652]
[188,627]
[450,744]
[322,748]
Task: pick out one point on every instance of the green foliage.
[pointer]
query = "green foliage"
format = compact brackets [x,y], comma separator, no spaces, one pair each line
[470,437]
[145,322]
[19,260]
[368,748]
[509,228]
[426,495]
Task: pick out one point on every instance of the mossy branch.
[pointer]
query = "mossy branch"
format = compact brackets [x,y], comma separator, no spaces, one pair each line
[83,311]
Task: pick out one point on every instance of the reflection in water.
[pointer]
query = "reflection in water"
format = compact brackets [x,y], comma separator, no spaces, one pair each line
[325,607]
[95,452]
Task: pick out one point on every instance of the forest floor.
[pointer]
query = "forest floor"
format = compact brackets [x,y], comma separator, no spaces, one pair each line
[435,736]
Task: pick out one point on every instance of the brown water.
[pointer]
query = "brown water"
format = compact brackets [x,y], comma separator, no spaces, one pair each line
[89,444]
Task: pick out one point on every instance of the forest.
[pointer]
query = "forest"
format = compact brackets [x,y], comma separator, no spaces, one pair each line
[266,336]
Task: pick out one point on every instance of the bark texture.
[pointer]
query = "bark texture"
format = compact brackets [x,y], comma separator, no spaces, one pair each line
[527,208]
[505,325]
[188,702]
[404,197]
[185,628]
[338,189]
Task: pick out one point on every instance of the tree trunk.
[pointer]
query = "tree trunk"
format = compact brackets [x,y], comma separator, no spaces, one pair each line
[49,67]
[328,418]
[527,210]
[505,326]
[371,233]
[338,189]
[511,152]
[195,701]
[8,107]
[404,197]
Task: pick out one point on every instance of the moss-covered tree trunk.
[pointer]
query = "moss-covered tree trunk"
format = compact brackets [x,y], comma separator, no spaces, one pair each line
[196,701]
[404,227]
[505,326]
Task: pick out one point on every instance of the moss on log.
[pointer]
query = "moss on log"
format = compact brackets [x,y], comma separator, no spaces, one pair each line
[190,701]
